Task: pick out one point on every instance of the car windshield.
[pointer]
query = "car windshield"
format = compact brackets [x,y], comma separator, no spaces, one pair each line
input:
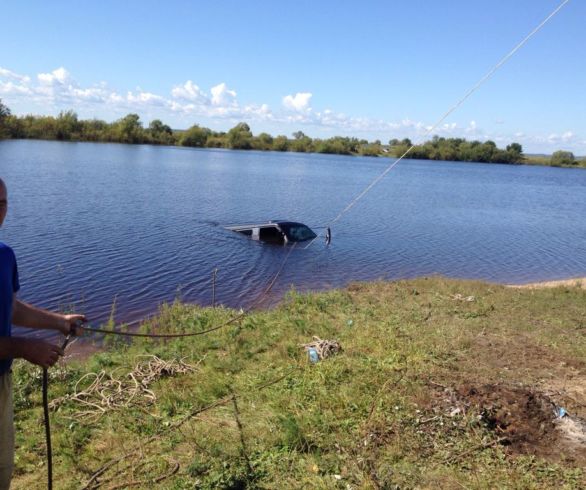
[297,233]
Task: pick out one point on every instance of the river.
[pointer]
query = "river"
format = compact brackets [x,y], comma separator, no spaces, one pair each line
[98,227]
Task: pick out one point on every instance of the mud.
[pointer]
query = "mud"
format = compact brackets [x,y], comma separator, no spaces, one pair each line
[523,420]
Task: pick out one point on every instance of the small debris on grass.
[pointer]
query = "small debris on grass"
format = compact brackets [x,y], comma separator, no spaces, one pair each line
[560,412]
[321,348]
[459,297]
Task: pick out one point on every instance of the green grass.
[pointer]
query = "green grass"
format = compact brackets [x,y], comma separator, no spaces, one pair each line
[366,418]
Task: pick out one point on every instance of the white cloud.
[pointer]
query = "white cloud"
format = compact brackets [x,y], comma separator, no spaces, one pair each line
[60,76]
[187,102]
[298,102]
[145,99]
[92,94]
[222,96]
[10,88]
[61,91]
[10,75]
[191,92]
[567,137]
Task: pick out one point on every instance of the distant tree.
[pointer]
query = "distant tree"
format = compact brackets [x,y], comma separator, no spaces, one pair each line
[159,133]
[129,129]
[239,137]
[335,145]
[371,149]
[216,140]
[515,152]
[302,143]
[281,143]
[4,116]
[68,126]
[298,135]
[400,149]
[263,141]
[95,130]
[515,147]
[340,145]
[157,127]
[195,136]
[560,158]
[4,110]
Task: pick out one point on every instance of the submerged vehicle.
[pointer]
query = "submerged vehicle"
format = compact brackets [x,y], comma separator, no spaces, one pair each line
[279,232]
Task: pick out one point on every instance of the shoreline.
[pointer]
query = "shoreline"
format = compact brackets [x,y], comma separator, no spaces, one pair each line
[85,347]
[528,160]
[573,282]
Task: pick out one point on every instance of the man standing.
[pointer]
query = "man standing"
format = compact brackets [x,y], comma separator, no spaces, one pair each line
[39,352]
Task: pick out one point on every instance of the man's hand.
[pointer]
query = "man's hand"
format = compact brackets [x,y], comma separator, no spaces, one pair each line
[69,324]
[27,315]
[41,352]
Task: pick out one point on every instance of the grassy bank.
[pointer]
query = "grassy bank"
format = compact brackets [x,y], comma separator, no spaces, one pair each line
[440,384]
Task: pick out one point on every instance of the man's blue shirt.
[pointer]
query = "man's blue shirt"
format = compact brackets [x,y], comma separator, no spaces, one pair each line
[8,286]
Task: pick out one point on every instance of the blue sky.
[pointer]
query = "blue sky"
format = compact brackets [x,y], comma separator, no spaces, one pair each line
[376,70]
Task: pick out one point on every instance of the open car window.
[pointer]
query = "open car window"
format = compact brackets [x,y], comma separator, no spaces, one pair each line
[271,234]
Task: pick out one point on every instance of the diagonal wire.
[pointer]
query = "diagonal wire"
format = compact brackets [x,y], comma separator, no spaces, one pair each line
[478,84]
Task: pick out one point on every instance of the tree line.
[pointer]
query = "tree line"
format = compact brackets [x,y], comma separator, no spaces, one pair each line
[130,129]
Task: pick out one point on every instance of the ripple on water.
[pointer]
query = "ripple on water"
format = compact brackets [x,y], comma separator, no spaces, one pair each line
[144,225]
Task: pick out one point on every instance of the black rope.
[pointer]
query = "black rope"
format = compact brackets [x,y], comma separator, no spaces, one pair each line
[48,419]
[47,429]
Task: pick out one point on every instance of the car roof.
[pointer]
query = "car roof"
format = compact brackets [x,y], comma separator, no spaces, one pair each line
[266,224]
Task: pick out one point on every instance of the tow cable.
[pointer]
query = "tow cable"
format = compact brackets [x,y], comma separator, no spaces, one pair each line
[47,420]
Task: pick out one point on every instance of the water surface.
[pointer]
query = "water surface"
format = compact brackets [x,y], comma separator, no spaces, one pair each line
[100,224]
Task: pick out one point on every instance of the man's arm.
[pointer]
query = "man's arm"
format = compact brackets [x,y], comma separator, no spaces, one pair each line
[27,315]
[36,351]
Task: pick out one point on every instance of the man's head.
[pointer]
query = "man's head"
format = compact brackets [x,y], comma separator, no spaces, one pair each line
[3,201]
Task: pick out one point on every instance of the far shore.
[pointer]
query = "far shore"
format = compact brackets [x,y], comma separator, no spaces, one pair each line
[577,281]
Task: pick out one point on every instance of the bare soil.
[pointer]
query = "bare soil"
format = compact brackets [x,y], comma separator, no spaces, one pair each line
[523,419]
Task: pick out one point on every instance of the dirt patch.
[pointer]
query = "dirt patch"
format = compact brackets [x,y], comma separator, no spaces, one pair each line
[521,418]
[524,420]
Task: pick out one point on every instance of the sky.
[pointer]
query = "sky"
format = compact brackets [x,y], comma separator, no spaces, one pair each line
[370,69]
